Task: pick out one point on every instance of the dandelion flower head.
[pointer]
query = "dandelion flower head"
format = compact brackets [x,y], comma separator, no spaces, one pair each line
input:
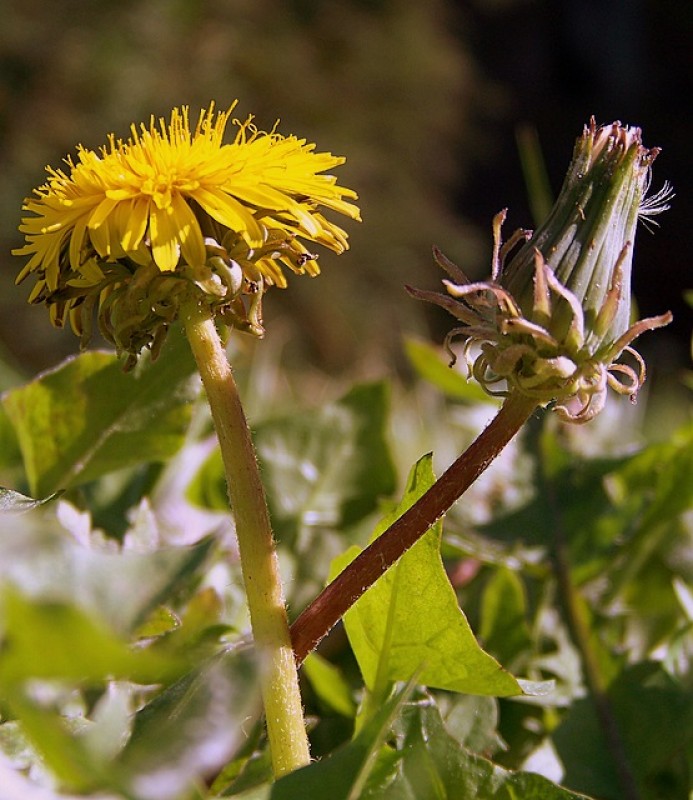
[126,229]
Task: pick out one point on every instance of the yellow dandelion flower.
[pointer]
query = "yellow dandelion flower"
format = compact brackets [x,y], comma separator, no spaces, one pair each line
[171,201]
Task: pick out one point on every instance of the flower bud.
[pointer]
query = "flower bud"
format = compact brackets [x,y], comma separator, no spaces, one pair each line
[552,321]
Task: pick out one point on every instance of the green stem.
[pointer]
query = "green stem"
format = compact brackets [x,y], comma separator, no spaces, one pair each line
[280,690]
[578,625]
[337,598]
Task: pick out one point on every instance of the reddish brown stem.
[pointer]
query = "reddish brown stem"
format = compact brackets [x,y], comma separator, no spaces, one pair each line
[337,598]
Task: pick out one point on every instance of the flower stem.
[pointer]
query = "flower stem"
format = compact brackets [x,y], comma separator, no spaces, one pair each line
[337,598]
[280,690]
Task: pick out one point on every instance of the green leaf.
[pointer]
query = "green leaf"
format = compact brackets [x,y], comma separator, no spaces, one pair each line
[343,774]
[504,629]
[661,476]
[87,417]
[473,721]
[55,640]
[409,623]
[434,766]
[328,468]
[123,588]
[537,182]
[192,728]
[581,507]
[10,454]
[63,753]
[654,716]
[208,488]
[323,468]
[428,364]
[79,750]
[109,723]
[160,622]
[597,502]
[653,488]
[186,733]
[329,685]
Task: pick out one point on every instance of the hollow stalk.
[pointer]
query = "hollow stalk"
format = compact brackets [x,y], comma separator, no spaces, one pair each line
[279,683]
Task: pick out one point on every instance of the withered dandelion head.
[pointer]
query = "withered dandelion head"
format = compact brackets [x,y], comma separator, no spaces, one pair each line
[128,230]
[554,319]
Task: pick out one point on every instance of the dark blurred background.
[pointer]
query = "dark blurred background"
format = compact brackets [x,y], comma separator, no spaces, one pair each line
[424,99]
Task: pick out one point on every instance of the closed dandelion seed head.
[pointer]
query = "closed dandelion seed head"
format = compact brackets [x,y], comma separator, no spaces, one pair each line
[126,233]
[554,320]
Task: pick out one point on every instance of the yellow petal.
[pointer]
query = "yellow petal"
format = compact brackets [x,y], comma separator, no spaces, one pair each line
[190,235]
[133,219]
[230,213]
[163,228]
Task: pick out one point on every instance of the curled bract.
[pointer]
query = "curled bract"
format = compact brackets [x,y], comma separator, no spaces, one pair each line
[552,323]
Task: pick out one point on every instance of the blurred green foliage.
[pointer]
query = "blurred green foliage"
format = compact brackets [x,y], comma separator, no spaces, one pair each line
[124,662]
